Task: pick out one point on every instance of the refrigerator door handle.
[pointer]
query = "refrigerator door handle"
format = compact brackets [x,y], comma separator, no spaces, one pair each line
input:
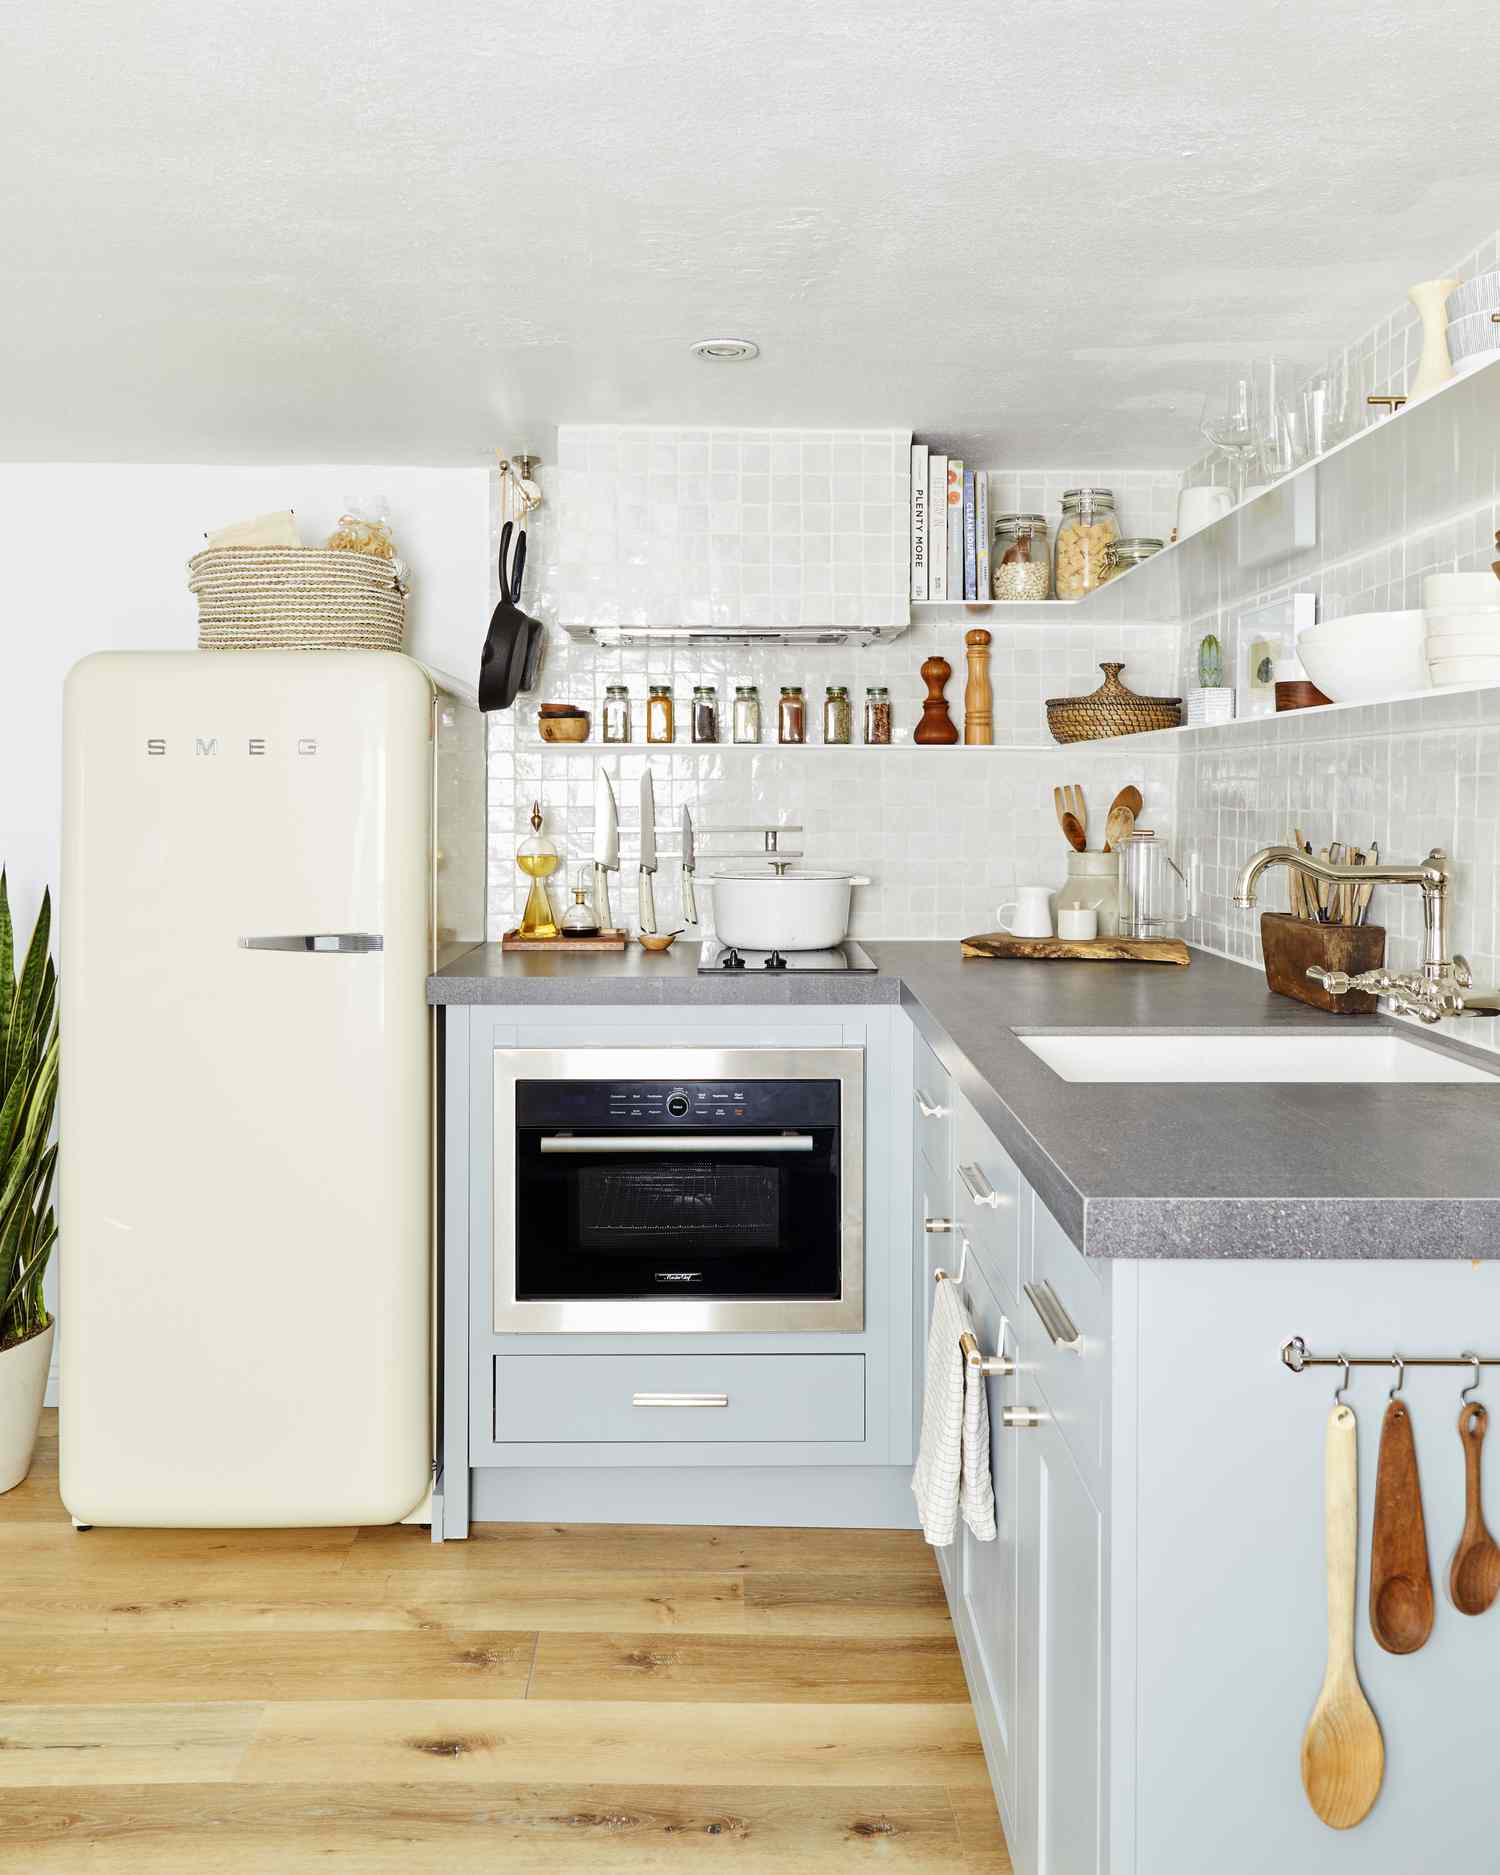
[317,941]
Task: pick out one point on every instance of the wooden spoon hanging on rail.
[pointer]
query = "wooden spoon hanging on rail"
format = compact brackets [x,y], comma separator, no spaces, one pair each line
[1401,1603]
[1474,1579]
[1343,1753]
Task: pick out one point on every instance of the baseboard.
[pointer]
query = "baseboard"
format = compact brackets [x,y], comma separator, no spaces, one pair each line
[872,1497]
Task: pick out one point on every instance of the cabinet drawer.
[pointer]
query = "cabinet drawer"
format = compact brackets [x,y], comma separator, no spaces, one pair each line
[1065,1300]
[987,1202]
[678,1398]
[932,1101]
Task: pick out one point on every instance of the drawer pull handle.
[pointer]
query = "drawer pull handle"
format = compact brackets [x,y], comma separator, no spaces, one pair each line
[929,1108]
[1059,1325]
[651,1144]
[935,1226]
[679,1399]
[979,1187]
[987,1364]
[1019,1417]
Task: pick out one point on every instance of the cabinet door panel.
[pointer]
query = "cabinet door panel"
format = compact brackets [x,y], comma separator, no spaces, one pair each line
[987,1194]
[989,1572]
[932,1092]
[1061,1663]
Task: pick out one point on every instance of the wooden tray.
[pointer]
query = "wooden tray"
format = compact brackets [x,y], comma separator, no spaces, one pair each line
[605,941]
[1110,950]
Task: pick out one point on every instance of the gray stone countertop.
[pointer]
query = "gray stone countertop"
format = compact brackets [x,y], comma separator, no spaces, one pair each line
[1295,1169]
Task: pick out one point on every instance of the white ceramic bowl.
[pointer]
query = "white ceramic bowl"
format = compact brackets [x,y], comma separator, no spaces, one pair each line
[1466,670]
[1460,589]
[1367,657]
[1463,645]
[1472,338]
[790,911]
[1479,295]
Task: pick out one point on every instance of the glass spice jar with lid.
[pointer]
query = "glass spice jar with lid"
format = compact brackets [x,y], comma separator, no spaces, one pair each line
[616,713]
[791,715]
[838,714]
[1021,558]
[877,714]
[746,713]
[661,724]
[1131,551]
[705,713]
[1085,537]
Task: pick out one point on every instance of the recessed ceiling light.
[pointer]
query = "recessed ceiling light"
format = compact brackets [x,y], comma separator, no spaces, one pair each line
[727,351]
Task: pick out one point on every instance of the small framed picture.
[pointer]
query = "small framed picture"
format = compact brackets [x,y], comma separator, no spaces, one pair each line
[1263,635]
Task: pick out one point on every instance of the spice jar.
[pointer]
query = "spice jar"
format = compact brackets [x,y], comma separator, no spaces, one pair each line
[616,713]
[705,713]
[1131,552]
[661,725]
[1021,558]
[838,714]
[791,715]
[746,713]
[1085,536]
[877,714]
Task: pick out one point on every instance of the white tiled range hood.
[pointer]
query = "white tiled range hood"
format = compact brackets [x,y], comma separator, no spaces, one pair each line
[733,536]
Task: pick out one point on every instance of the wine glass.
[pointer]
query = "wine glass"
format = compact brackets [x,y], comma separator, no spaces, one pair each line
[1229,420]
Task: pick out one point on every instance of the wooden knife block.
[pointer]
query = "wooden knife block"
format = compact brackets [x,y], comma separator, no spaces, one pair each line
[1291,945]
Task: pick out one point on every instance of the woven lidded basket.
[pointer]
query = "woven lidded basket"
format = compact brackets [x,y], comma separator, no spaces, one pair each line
[296,599]
[1111,710]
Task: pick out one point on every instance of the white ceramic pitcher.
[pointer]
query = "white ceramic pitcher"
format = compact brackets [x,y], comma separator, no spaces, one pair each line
[1030,911]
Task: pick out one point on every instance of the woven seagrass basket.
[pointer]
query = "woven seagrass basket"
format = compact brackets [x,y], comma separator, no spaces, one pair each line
[1111,710]
[296,599]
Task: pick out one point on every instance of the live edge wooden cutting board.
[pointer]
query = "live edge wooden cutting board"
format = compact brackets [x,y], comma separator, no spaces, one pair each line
[1113,950]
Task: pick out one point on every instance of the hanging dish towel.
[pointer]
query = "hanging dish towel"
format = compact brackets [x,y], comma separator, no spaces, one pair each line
[953,1461]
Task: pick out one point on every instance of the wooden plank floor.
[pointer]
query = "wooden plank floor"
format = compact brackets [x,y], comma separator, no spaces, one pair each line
[537,1699]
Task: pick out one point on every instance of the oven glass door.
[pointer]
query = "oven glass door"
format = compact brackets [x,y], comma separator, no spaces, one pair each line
[626,1198]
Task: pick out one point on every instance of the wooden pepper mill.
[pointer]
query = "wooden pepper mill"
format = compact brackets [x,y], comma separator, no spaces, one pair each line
[979,698]
[936,724]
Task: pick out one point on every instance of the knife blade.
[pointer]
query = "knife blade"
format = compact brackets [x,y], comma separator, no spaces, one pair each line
[606,846]
[689,864]
[648,853]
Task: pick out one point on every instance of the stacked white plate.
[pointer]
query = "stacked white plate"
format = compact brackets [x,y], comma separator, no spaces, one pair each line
[1463,627]
[1473,335]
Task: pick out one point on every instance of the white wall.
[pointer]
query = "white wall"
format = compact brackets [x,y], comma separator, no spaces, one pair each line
[95,557]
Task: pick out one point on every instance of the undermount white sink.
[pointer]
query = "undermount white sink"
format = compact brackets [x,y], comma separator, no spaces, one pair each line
[1215,1056]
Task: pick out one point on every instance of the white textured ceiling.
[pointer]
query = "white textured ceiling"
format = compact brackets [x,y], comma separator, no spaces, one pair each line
[409,232]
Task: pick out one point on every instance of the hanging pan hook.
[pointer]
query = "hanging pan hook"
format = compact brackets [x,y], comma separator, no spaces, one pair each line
[1400,1367]
[1343,1387]
[1473,1386]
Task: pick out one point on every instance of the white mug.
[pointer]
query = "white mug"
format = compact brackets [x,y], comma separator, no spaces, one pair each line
[1196,507]
[1077,922]
[1032,912]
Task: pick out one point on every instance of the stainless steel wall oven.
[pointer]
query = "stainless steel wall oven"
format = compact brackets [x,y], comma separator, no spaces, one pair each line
[695,1190]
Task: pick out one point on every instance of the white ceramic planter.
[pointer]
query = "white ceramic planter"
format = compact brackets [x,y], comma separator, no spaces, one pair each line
[23,1383]
[789,911]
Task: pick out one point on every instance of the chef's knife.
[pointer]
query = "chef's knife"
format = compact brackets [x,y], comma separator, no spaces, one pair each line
[648,853]
[606,846]
[689,863]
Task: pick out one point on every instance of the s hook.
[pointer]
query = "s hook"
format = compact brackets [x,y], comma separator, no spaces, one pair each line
[1343,1387]
[1473,1386]
[1400,1367]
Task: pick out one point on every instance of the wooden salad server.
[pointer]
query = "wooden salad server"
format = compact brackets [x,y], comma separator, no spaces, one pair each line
[1401,1601]
[1343,1753]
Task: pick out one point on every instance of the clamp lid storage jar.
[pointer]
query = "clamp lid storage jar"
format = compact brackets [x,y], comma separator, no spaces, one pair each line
[1085,538]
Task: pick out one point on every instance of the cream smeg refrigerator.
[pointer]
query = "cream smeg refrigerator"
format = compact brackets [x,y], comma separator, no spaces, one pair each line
[249,907]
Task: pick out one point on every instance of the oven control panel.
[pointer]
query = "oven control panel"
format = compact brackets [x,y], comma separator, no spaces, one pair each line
[640,1105]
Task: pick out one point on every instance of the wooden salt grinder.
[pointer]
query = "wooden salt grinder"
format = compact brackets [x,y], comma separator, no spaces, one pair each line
[936,724]
[979,698]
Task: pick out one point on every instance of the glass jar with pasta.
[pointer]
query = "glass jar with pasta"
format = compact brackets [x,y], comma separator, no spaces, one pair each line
[1085,538]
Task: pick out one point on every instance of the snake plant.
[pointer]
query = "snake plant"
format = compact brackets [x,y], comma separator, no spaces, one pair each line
[28,1095]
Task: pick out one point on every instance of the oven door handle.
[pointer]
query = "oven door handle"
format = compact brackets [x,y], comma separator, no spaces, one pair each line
[637,1143]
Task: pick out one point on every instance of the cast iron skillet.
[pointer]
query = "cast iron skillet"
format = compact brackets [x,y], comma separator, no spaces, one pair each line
[503,661]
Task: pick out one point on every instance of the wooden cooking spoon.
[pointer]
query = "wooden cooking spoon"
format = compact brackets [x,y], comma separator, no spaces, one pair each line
[1474,1579]
[1343,1753]
[1074,834]
[1401,1605]
[1121,822]
[1128,797]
